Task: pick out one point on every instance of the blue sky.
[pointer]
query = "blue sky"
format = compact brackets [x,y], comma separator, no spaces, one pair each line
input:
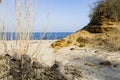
[67,15]
[60,15]
[74,14]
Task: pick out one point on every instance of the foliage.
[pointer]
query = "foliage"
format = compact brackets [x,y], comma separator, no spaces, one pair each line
[105,10]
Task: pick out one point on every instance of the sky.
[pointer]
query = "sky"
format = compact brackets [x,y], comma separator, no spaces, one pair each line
[71,15]
[56,15]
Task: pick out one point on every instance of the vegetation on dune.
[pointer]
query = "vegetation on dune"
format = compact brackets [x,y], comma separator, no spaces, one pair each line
[103,28]
[105,10]
[104,14]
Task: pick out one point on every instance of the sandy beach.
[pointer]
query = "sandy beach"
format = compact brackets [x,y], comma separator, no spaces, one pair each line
[59,39]
[75,63]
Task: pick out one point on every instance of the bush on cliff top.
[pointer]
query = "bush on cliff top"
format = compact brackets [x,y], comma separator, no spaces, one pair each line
[105,10]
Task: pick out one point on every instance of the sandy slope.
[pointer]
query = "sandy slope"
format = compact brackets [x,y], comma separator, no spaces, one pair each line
[79,64]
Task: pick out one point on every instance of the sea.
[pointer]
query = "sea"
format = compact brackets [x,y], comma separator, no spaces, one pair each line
[39,35]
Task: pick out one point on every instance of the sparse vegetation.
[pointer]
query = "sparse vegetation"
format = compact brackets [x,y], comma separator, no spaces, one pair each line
[88,63]
[105,11]
[104,14]
[23,17]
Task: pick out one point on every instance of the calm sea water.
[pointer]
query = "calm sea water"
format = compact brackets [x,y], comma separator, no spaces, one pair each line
[38,36]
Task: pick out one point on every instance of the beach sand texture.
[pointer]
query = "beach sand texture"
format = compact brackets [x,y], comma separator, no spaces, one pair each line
[80,63]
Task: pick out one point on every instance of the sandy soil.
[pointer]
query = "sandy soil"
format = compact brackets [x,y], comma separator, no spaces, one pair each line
[86,63]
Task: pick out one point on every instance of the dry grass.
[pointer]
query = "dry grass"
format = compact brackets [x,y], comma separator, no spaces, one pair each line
[22,16]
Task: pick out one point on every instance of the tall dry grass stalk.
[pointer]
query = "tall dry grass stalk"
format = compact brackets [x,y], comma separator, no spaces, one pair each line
[3,44]
[25,17]
[46,25]
[22,14]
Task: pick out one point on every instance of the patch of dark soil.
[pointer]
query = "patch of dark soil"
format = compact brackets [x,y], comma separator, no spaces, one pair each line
[22,67]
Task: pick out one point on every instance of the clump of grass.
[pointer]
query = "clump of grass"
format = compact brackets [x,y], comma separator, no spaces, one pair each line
[22,16]
[24,24]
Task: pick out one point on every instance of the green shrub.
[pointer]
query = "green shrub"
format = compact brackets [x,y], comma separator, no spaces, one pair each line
[105,10]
